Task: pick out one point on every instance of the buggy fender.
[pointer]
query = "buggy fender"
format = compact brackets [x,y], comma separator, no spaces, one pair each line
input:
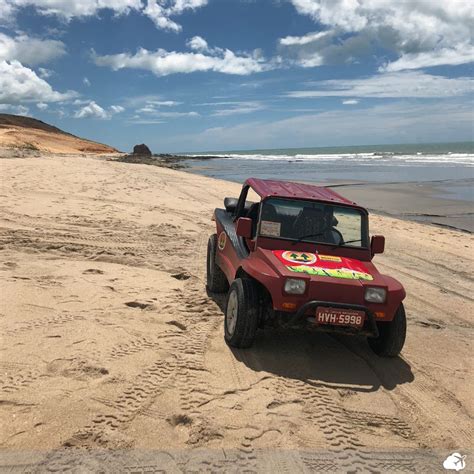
[395,295]
[395,288]
[259,270]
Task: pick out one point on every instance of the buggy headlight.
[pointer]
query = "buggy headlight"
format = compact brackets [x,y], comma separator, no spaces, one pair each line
[294,286]
[375,295]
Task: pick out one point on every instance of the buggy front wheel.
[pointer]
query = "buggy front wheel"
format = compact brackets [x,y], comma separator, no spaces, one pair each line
[242,313]
[391,335]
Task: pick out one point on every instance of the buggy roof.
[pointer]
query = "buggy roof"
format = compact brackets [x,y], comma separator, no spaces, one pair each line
[286,189]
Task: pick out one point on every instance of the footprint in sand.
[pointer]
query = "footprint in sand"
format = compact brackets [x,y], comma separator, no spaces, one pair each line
[181,419]
[139,304]
[92,271]
[75,368]
[181,276]
[177,324]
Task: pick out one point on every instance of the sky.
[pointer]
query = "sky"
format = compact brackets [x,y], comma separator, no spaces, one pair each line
[198,75]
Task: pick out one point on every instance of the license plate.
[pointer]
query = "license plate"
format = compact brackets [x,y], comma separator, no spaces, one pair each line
[340,317]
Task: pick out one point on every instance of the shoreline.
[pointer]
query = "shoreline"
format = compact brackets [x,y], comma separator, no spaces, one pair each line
[418,201]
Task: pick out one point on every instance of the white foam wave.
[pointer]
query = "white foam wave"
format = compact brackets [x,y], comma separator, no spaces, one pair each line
[359,158]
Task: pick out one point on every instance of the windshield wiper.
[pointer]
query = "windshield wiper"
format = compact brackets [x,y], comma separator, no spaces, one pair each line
[344,243]
[306,236]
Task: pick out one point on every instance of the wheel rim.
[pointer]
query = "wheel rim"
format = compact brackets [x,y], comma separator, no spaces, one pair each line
[231,313]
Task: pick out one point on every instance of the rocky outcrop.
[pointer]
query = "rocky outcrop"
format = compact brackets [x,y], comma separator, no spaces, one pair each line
[141,150]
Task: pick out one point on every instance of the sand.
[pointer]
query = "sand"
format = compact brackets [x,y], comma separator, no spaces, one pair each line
[31,139]
[113,352]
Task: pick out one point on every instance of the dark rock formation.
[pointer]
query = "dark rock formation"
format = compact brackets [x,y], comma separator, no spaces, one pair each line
[141,150]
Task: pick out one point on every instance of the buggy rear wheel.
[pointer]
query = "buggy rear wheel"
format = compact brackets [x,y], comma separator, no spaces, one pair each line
[216,280]
[242,313]
[391,335]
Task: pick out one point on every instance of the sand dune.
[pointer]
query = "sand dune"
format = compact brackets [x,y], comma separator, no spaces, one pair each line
[31,134]
[109,340]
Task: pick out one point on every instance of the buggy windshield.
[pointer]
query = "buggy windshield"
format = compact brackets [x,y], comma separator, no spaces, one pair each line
[312,221]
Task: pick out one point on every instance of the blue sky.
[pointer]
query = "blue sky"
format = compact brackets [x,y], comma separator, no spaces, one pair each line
[195,75]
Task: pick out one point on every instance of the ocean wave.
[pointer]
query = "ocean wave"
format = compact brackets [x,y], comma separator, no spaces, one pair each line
[386,158]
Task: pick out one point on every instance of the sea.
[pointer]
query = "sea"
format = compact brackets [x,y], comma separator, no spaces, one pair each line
[446,164]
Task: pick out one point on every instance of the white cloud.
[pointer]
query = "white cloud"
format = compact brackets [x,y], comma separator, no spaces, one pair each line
[153,99]
[177,114]
[19,84]
[6,12]
[308,50]
[42,105]
[116,109]
[159,11]
[237,108]
[164,63]
[86,82]
[419,34]
[389,85]
[153,109]
[301,40]
[45,73]
[94,110]
[459,55]
[198,44]
[148,108]
[81,102]
[345,14]
[160,16]
[311,61]
[164,103]
[14,109]
[68,9]
[350,102]
[30,51]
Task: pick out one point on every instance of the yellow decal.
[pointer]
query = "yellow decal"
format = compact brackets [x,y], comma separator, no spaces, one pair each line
[222,241]
[329,258]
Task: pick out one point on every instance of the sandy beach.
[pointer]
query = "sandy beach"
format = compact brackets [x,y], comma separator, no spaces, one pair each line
[112,349]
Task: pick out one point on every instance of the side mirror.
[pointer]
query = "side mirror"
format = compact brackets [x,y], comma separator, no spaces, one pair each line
[244,227]
[377,244]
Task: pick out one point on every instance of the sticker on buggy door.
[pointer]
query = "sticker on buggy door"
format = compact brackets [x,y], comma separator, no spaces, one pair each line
[222,240]
[303,258]
[323,265]
[270,228]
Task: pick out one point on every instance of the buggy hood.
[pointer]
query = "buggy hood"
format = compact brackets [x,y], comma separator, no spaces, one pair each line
[316,264]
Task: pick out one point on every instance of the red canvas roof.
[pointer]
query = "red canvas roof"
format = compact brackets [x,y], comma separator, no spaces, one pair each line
[267,187]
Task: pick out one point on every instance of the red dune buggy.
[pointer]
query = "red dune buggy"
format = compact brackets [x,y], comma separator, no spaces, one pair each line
[302,256]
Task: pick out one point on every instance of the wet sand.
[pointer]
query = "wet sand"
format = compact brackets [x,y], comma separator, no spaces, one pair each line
[113,355]
[439,203]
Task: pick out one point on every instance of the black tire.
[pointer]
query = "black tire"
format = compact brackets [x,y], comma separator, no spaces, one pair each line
[216,280]
[391,335]
[245,294]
